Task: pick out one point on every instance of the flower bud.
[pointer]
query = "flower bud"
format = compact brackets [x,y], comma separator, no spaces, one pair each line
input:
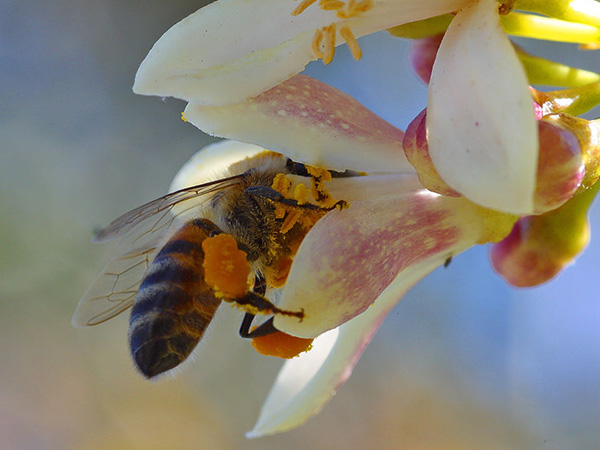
[421,55]
[539,247]
[417,152]
[588,135]
[560,169]
[560,165]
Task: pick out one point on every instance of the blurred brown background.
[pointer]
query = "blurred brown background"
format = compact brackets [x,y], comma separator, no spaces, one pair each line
[463,362]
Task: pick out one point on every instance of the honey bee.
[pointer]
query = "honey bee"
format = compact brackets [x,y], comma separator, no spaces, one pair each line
[164,272]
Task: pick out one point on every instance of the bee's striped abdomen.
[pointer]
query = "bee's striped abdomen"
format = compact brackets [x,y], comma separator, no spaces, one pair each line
[174,305]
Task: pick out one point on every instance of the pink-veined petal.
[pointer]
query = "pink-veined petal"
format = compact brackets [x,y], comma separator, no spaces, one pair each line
[480,122]
[306,383]
[309,121]
[232,50]
[351,256]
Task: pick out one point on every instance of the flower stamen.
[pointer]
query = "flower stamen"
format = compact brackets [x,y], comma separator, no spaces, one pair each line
[346,33]
[316,45]
[329,50]
[302,6]
[331,5]
[323,44]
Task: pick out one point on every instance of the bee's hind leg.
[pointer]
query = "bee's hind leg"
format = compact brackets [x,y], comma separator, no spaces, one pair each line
[263,329]
[258,302]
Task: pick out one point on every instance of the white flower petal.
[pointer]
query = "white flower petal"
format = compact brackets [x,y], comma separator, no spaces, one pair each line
[481,128]
[232,50]
[212,163]
[308,381]
[311,122]
[350,257]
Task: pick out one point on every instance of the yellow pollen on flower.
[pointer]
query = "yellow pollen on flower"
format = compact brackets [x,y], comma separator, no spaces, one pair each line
[301,194]
[281,184]
[290,220]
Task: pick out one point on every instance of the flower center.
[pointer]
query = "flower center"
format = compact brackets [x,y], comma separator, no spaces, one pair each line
[323,44]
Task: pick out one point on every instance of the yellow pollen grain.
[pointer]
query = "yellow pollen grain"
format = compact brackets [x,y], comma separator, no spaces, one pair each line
[301,194]
[290,220]
[281,184]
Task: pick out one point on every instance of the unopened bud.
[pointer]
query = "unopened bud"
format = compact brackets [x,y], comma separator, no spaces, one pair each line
[421,55]
[539,247]
[560,165]
[417,152]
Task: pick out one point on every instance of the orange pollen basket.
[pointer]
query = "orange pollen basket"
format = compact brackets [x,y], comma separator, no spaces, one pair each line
[226,268]
[323,44]
[281,345]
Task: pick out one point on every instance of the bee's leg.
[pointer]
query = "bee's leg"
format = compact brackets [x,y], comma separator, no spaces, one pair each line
[256,300]
[263,329]
[257,304]
[276,196]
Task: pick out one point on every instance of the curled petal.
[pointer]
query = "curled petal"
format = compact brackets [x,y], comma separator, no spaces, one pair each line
[232,50]
[311,122]
[351,256]
[480,122]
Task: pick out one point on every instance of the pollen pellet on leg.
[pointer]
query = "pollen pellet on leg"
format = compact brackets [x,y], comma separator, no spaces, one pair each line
[226,268]
[281,345]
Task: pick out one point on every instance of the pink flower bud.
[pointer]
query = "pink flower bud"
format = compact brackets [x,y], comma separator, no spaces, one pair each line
[560,165]
[417,152]
[539,247]
[422,54]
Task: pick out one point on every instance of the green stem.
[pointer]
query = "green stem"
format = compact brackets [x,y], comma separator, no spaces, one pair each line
[582,11]
[574,101]
[537,27]
[550,73]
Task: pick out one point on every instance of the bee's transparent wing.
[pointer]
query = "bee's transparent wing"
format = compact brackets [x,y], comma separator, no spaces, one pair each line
[113,291]
[161,207]
[143,231]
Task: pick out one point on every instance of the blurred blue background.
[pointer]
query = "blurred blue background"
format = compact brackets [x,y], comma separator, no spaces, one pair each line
[464,361]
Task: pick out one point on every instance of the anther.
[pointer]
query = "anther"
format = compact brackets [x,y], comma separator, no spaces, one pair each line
[302,6]
[329,49]
[351,41]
